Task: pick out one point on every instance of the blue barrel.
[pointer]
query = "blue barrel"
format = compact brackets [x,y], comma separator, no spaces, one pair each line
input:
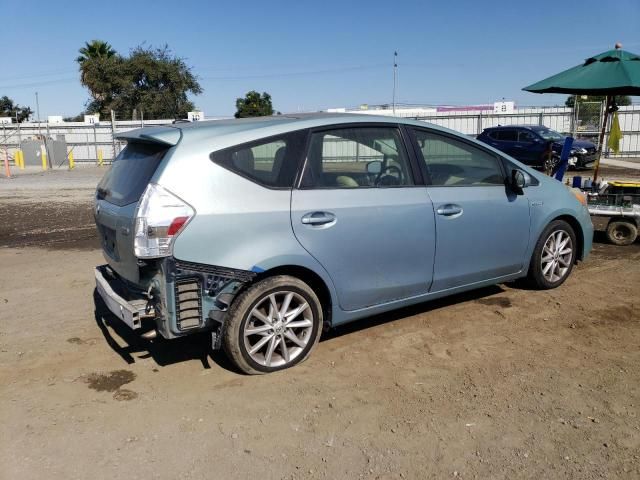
[577,182]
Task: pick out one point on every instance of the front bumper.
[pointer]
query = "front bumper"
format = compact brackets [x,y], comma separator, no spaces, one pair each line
[585,160]
[120,301]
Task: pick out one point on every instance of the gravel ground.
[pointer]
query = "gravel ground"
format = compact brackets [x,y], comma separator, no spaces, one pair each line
[498,383]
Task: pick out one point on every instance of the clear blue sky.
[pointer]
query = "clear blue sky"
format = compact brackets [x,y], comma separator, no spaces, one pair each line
[314,55]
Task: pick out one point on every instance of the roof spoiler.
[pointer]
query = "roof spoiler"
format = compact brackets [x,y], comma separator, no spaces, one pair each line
[165,135]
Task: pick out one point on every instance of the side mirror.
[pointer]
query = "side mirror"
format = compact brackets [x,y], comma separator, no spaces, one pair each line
[518,180]
[374,167]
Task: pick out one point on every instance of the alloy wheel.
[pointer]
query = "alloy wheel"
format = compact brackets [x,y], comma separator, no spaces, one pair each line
[557,255]
[278,328]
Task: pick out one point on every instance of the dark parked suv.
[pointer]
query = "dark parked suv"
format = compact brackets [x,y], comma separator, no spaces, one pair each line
[530,143]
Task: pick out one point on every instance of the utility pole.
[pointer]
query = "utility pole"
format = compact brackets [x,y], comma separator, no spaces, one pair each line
[395,79]
[38,113]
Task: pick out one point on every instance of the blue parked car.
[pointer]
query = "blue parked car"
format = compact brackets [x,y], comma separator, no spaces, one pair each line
[530,143]
[265,231]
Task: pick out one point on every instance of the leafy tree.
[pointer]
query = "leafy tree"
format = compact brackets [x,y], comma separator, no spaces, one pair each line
[10,109]
[95,49]
[621,100]
[254,105]
[76,118]
[150,80]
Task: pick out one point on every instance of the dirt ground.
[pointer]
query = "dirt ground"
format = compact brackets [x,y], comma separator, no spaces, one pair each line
[498,383]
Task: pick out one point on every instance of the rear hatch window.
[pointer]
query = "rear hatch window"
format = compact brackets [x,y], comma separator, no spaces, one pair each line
[130,173]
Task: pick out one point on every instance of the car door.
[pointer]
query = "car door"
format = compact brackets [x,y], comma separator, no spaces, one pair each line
[361,213]
[508,138]
[482,226]
[529,147]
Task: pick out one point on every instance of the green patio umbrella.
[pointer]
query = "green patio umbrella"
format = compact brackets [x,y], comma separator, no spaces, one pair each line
[616,72]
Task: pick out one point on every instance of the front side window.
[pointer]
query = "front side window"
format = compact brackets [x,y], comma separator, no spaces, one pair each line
[270,162]
[357,158]
[452,162]
[524,136]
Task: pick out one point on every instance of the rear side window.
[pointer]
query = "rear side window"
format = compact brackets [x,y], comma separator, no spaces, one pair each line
[130,173]
[507,135]
[271,162]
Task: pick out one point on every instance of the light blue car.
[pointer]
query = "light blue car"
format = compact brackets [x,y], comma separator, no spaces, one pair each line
[265,231]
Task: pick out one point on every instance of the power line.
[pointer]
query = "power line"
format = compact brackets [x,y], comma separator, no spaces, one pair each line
[38,84]
[295,74]
[40,74]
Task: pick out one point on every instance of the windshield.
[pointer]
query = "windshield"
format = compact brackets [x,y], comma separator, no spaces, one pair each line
[549,134]
[130,173]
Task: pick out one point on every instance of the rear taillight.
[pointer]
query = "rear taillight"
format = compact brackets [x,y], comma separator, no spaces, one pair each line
[160,217]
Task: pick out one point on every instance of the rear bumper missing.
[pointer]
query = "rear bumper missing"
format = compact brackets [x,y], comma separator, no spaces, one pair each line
[118,299]
[182,298]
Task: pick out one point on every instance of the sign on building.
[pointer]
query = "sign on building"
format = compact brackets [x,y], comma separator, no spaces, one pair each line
[503,107]
[92,119]
[54,119]
[195,116]
[5,120]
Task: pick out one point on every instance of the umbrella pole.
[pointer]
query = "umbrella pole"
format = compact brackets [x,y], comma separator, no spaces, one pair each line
[601,139]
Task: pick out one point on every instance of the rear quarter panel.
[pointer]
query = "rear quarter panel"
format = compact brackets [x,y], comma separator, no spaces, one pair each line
[238,224]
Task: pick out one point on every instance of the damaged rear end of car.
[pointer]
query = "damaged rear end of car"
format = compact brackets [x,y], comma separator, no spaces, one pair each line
[138,220]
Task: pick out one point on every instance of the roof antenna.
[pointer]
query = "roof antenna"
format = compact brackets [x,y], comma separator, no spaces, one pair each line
[618,45]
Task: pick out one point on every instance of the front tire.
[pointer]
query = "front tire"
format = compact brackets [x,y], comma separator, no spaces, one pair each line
[553,256]
[273,325]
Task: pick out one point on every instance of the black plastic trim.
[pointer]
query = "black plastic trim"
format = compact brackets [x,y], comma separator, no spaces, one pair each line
[224,272]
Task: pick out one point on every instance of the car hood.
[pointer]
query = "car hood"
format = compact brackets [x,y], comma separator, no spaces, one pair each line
[577,144]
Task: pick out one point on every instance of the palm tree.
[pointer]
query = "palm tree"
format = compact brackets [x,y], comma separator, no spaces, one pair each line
[95,49]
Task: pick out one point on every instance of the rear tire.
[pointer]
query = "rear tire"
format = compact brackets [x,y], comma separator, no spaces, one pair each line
[553,256]
[273,325]
[622,233]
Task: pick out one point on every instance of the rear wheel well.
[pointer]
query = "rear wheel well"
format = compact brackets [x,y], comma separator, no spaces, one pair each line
[310,278]
[577,230]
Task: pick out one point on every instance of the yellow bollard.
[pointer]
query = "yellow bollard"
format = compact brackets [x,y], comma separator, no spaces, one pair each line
[100,157]
[21,160]
[43,154]
[71,162]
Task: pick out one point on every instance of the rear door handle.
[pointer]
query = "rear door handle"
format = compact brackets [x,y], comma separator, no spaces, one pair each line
[449,210]
[318,218]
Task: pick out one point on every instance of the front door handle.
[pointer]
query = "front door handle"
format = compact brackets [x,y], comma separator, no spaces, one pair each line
[318,218]
[449,210]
